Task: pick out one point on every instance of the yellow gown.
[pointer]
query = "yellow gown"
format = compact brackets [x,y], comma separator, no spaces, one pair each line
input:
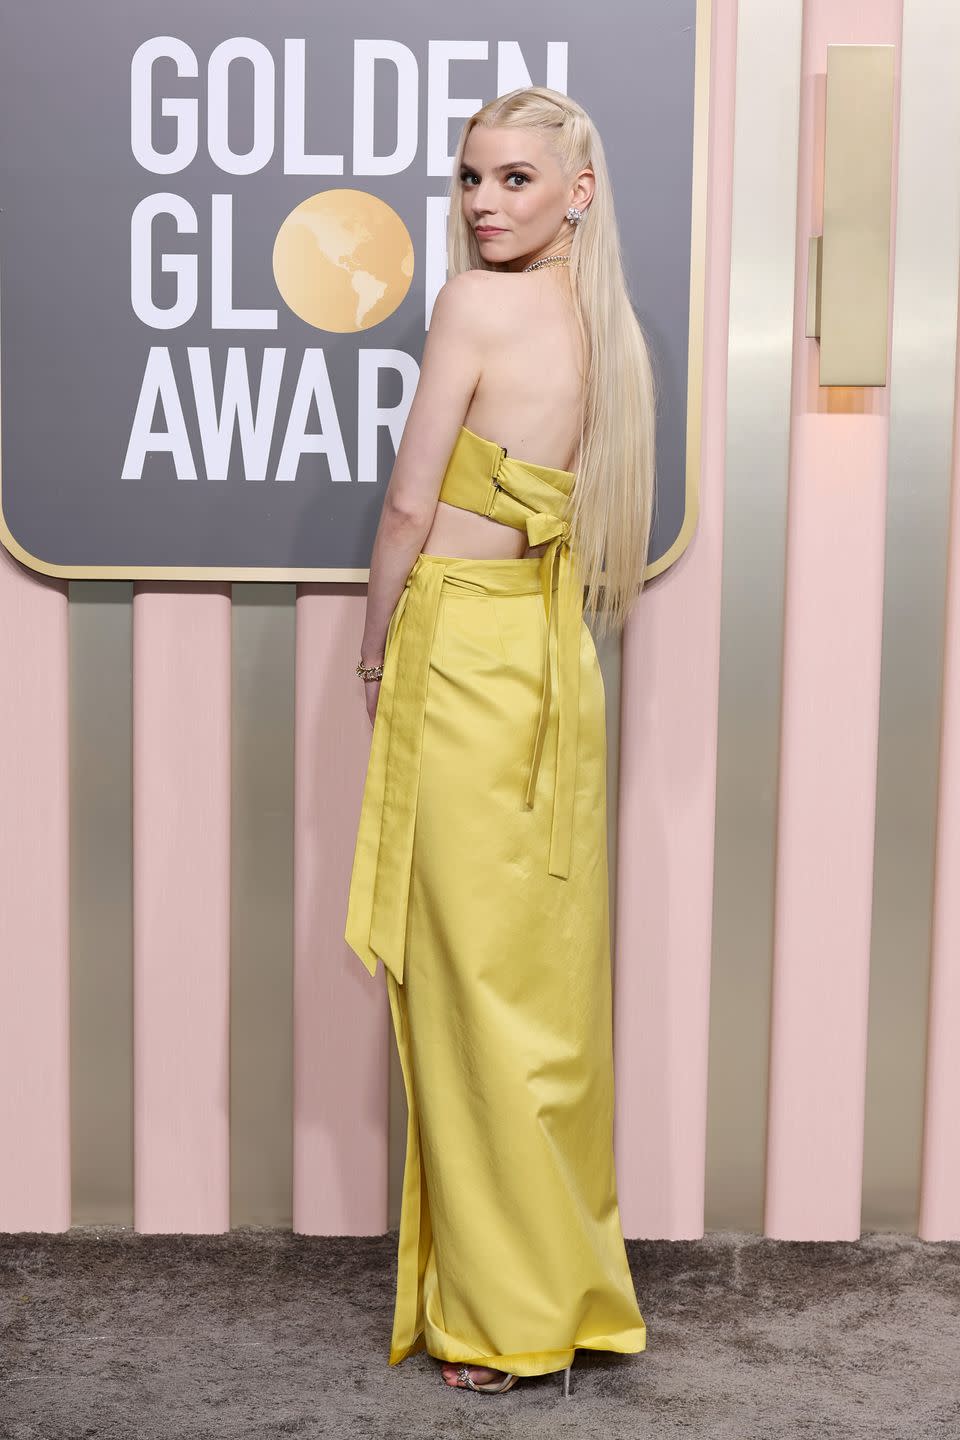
[480,880]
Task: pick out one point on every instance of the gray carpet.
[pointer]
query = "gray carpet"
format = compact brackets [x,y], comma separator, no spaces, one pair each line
[261,1333]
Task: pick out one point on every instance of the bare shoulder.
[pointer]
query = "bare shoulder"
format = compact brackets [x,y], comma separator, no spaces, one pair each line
[458,296]
[478,302]
[498,289]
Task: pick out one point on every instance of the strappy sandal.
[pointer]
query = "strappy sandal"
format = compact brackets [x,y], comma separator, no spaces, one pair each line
[497,1387]
[491,1387]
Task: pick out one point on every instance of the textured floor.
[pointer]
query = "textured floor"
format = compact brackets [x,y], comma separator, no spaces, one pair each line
[261,1333]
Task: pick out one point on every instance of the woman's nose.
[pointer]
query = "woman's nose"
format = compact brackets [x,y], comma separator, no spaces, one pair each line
[480,202]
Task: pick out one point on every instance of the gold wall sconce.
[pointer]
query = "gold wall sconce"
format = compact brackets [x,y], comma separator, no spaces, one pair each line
[848,266]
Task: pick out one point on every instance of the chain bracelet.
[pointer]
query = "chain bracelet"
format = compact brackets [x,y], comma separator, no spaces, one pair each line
[371,672]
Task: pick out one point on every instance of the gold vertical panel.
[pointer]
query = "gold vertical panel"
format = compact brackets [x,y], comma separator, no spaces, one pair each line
[918,503]
[762,275]
[261,906]
[855,251]
[101,901]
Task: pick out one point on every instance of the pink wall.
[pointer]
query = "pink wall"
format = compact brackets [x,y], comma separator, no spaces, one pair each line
[181,906]
[34,902]
[340,1012]
[828,755]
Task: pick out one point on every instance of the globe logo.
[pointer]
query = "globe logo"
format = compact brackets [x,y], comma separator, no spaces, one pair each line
[343,260]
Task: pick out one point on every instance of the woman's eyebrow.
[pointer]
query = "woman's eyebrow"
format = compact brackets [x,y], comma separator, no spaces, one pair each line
[510,165]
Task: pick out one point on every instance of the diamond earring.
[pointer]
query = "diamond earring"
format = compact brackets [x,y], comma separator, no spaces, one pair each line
[573,215]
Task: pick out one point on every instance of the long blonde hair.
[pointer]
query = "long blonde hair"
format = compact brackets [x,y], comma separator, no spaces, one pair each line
[613,500]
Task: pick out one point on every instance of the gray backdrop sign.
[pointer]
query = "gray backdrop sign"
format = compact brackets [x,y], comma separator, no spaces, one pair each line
[222,230]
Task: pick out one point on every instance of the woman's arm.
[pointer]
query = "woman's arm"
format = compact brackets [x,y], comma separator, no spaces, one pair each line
[451,367]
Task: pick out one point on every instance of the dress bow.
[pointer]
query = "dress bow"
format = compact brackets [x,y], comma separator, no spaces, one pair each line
[543,526]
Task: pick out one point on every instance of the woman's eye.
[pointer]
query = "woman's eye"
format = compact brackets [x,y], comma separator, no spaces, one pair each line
[466,179]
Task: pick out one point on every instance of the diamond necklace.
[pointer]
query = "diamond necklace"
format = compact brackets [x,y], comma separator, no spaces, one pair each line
[547,260]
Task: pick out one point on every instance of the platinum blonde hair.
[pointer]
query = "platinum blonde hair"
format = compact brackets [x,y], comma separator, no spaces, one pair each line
[611,513]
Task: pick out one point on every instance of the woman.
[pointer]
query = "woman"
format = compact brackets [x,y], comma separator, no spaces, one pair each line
[480,873]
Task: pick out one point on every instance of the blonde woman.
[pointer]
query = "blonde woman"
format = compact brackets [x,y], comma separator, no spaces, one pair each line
[525,472]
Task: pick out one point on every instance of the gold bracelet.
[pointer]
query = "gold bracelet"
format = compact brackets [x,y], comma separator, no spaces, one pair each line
[371,672]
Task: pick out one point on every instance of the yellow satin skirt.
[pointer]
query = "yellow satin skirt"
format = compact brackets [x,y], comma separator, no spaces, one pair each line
[511,1252]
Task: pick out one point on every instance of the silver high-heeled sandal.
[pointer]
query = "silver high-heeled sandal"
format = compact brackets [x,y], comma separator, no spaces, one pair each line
[490,1387]
[498,1387]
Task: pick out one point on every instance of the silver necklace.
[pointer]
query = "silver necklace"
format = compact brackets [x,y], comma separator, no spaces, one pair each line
[547,260]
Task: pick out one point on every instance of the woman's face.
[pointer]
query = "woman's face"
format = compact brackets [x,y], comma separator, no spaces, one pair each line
[512,184]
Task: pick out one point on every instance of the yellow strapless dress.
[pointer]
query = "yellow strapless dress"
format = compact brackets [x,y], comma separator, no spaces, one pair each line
[480,880]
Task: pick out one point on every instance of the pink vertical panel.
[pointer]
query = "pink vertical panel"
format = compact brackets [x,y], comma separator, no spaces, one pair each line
[34,901]
[940,1175]
[833,620]
[831,688]
[668,767]
[341,1036]
[181,902]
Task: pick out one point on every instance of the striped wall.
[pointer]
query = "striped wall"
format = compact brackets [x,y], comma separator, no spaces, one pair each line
[187,1044]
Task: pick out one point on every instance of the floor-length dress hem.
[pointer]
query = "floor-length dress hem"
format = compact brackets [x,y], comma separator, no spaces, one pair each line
[543,1362]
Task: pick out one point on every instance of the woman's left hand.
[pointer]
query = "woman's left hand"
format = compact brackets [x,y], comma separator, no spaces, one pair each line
[372,688]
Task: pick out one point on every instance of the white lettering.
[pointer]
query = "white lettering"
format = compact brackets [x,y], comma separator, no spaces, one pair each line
[371,415]
[257,424]
[222,314]
[236,410]
[441,108]
[218,105]
[162,162]
[366,53]
[184,267]
[159,383]
[313,383]
[296,161]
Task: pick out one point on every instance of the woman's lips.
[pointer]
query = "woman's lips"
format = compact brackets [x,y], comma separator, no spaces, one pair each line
[489,230]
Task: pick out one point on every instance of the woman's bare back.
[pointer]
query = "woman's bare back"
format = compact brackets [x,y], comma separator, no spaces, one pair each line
[529,402]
